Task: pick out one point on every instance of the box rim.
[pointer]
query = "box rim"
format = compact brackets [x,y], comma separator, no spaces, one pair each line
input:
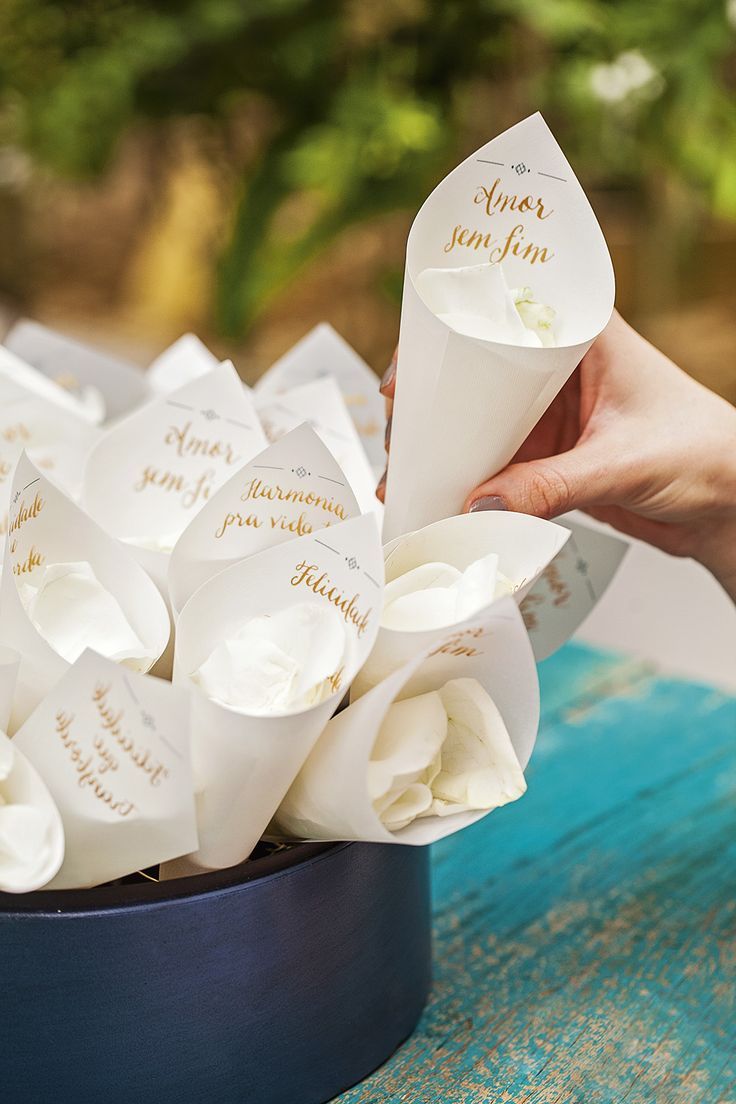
[246,875]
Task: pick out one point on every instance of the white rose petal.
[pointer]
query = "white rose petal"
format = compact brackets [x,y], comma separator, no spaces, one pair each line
[406,758]
[476,301]
[535,316]
[72,610]
[479,768]
[31,835]
[440,753]
[479,583]
[163,543]
[6,760]
[280,663]
[434,595]
[25,842]
[92,402]
[422,598]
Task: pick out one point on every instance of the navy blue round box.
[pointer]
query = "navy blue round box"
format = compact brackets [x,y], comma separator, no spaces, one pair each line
[283,981]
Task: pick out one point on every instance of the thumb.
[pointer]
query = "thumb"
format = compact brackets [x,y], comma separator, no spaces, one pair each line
[549,487]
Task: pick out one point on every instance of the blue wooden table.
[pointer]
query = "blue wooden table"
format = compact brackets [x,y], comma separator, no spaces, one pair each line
[585,937]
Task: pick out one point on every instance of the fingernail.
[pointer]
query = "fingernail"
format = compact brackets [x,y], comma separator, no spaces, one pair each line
[487,502]
[381,488]
[389,374]
[387,434]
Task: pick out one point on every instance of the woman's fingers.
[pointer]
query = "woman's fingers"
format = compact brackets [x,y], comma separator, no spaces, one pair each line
[387,389]
[550,487]
[388,382]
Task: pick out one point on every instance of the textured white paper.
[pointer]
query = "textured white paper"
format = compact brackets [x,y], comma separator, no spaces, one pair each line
[47,528]
[9,664]
[56,439]
[525,545]
[184,361]
[17,372]
[151,473]
[329,798]
[34,823]
[321,405]
[293,488]
[463,406]
[323,352]
[76,366]
[113,748]
[243,765]
[571,585]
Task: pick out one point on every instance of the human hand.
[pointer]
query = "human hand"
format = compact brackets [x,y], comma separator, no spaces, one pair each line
[635,442]
[388,390]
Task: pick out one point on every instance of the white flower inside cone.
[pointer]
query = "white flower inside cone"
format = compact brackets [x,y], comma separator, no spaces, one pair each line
[278,663]
[434,595]
[477,302]
[72,610]
[163,543]
[26,833]
[444,752]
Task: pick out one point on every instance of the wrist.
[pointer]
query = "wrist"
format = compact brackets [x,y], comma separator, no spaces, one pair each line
[718,554]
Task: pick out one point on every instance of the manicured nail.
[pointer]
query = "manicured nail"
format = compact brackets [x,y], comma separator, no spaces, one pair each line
[389,375]
[381,488]
[487,502]
[387,434]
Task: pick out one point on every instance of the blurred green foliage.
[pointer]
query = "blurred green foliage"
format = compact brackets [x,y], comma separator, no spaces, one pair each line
[360,105]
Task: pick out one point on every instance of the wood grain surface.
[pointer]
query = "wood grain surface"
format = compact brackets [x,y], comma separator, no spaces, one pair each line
[585,937]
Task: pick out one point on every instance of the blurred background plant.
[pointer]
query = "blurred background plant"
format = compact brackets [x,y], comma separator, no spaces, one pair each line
[247,169]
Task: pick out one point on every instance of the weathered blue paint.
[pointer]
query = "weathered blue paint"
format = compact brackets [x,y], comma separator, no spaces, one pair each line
[586,936]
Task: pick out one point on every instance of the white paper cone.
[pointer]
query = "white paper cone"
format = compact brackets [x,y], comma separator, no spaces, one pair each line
[14,370]
[244,764]
[38,417]
[154,470]
[156,566]
[291,489]
[31,832]
[329,798]
[321,405]
[571,585]
[78,366]
[525,545]
[463,406]
[47,528]
[323,352]
[184,361]
[113,749]
[9,664]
